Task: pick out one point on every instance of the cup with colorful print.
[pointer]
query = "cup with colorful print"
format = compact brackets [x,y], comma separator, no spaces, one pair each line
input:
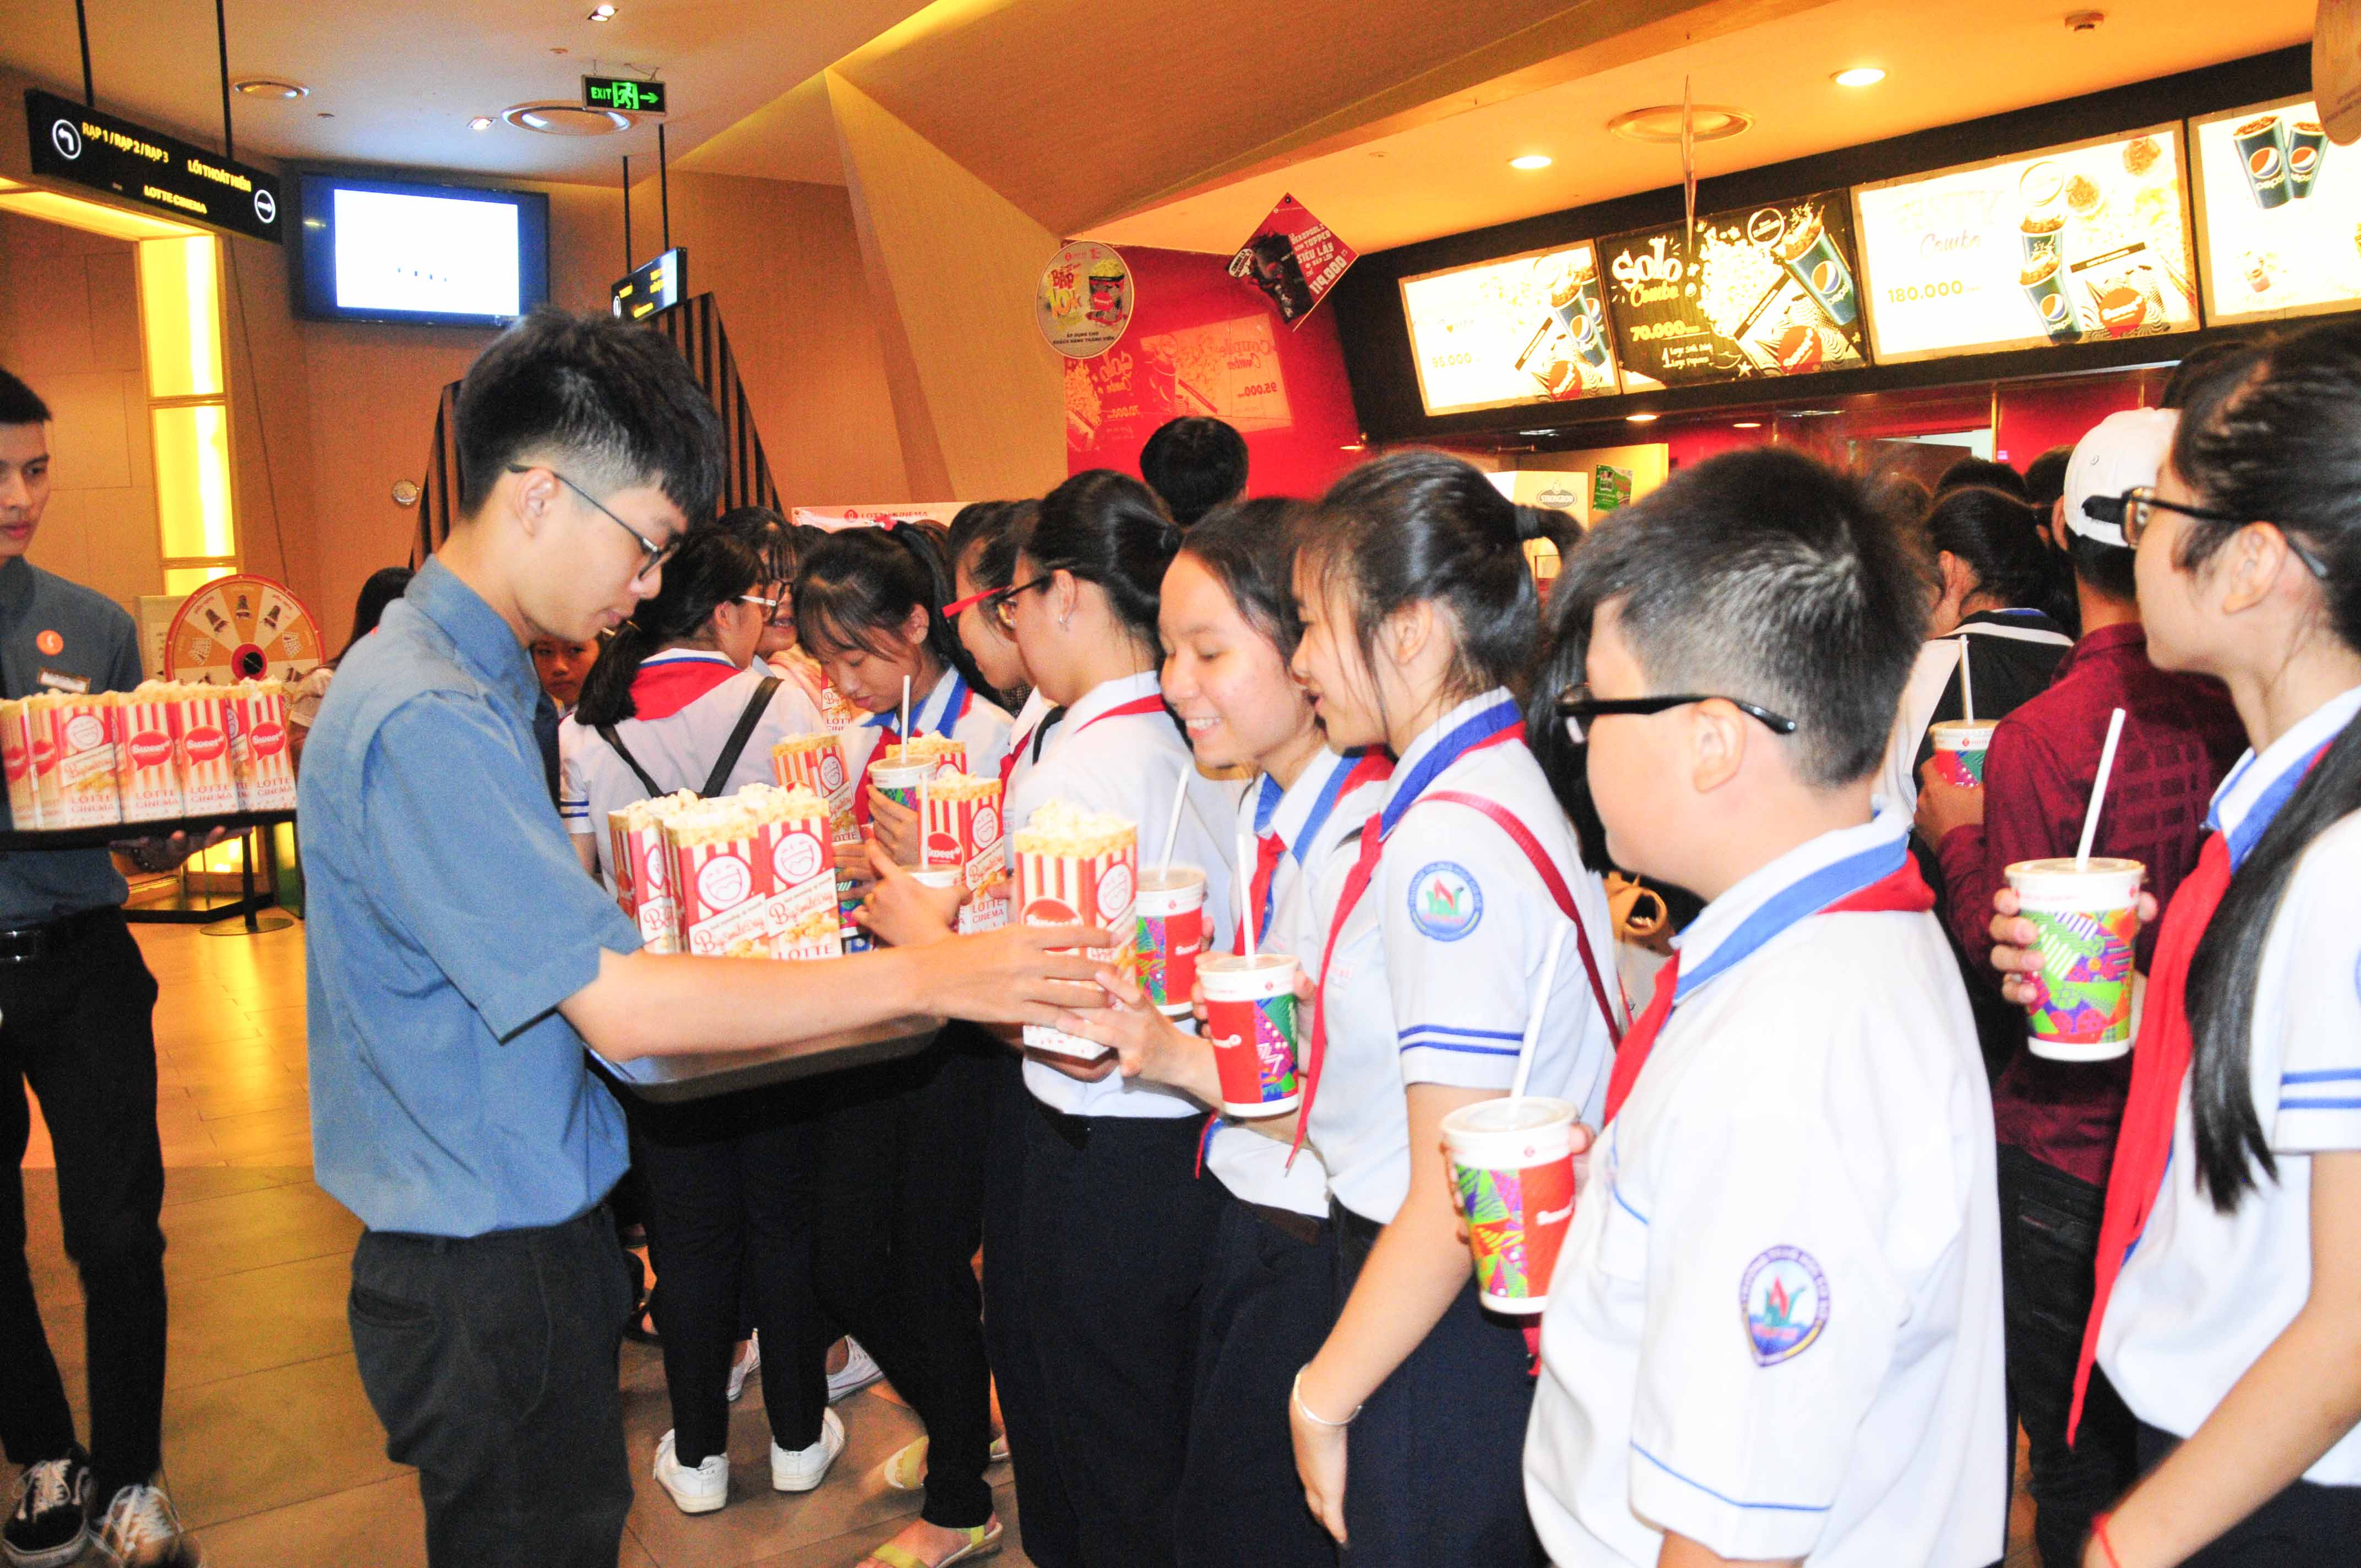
[1512,1169]
[2087,916]
[1170,907]
[1960,748]
[1250,1019]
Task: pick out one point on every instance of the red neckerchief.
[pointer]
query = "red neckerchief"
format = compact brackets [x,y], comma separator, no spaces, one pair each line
[661,690]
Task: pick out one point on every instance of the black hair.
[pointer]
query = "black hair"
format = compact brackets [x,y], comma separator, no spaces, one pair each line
[1998,538]
[1981,471]
[1250,547]
[2107,568]
[1759,574]
[1900,495]
[19,404]
[996,542]
[615,404]
[776,541]
[710,569]
[2044,477]
[1414,527]
[2281,441]
[859,585]
[974,522]
[1109,529]
[2201,363]
[384,585]
[1195,465]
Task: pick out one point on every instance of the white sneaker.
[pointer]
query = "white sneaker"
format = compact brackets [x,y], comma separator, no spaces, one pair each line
[698,1491]
[859,1372]
[142,1531]
[805,1468]
[743,1368]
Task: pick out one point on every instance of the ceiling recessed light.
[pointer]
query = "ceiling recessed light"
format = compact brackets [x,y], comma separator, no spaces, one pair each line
[1746,425]
[1532,160]
[558,118]
[602,12]
[271,87]
[1641,419]
[1860,76]
[1661,123]
[481,123]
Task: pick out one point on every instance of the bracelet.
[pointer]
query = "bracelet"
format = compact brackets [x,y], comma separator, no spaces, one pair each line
[1295,1392]
[2099,1534]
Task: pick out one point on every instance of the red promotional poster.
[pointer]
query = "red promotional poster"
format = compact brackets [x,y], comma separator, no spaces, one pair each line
[1294,258]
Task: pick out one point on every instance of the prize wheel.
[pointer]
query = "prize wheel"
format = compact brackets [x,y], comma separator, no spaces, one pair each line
[241,628]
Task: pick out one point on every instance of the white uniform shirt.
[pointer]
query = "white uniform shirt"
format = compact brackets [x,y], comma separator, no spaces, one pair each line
[677,750]
[2203,1294]
[1360,1119]
[1129,765]
[950,708]
[1938,659]
[1312,817]
[1022,734]
[1775,1327]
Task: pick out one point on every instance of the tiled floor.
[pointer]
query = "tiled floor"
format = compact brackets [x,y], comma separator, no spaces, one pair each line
[269,1447]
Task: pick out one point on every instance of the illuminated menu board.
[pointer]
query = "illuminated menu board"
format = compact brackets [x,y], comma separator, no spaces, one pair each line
[2077,244]
[1763,292]
[2279,213]
[1526,329]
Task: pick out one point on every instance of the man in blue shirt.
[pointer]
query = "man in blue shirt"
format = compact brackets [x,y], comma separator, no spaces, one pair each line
[459,959]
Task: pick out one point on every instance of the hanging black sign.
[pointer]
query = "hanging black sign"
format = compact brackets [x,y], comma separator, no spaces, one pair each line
[160,172]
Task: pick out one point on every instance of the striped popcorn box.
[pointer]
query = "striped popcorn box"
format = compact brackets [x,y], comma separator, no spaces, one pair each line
[40,720]
[816,762]
[200,724]
[962,829]
[642,867]
[949,756]
[754,876]
[81,730]
[17,760]
[1077,867]
[258,750]
[148,765]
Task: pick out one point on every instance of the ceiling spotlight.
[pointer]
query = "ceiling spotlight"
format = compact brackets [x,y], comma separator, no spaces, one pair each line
[2085,21]
[271,87]
[602,12]
[1661,123]
[1860,76]
[1641,419]
[481,123]
[1746,425]
[1532,160]
[559,118]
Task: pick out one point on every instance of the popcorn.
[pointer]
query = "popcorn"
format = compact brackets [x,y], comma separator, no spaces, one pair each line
[258,749]
[148,762]
[1078,867]
[963,828]
[641,859]
[77,732]
[752,874]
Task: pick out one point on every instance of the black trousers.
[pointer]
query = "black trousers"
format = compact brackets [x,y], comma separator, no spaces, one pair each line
[2306,1525]
[492,1363]
[731,1187]
[1113,1225]
[1051,1533]
[901,1214]
[78,1025]
[1435,1466]
[2048,1250]
[1269,1303]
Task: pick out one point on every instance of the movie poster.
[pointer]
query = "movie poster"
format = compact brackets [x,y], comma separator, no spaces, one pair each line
[1293,258]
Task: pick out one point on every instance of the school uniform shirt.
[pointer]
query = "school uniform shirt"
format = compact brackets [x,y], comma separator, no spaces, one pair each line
[1359,1125]
[2012,655]
[951,710]
[1309,818]
[1129,765]
[688,701]
[2203,1294]
[1775,1327]
[1022,735]
[1468,921]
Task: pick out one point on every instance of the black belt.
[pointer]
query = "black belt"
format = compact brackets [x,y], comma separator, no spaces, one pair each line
[1288,1223]
[32,943]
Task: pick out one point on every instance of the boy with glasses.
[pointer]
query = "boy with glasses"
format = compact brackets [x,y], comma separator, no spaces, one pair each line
[1774,1332]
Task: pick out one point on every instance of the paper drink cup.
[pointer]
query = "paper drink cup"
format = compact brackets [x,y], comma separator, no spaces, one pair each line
[16,759]
[147,763]
[2087,920]
[1171,926]
[1960,748]
[899,782]
[1512,1167]
[1072,869]
[1250,1019]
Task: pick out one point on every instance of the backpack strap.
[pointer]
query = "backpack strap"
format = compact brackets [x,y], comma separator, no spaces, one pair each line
[607,734]
[735,747]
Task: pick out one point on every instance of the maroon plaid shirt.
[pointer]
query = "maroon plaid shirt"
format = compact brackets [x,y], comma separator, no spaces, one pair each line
[2181,736]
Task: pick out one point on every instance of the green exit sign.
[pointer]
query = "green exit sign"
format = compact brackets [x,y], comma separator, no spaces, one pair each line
[627,93]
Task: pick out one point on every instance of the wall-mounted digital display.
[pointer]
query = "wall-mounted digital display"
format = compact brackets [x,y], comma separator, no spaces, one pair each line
[2077,244]
[2279,213]
[1526,329]
[1761,291]
[385,250]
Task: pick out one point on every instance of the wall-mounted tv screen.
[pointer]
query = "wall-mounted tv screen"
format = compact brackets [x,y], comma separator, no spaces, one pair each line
[2279,210]
[391,250]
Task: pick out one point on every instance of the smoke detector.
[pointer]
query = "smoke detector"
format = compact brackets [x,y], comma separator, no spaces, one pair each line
[2084,21]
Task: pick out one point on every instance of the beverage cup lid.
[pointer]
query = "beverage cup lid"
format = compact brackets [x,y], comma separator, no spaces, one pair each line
[1512,1131]
[2104,881]
[900,776]
[1174,878]
[1960,735]
[1227,977]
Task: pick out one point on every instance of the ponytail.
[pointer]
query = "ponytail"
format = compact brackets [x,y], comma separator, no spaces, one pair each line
[712,568]
[856,587]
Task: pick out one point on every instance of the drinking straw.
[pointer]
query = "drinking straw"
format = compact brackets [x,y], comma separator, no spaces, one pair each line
[1967,687]
[924,780]
[2099,791]
[905,718]
[1173,826]
[1541,1007]
[1245,885]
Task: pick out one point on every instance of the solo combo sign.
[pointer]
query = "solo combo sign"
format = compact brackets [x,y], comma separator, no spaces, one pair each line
[157,171]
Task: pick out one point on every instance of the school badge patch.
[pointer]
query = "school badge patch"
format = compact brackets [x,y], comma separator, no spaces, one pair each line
[1445,902]
[1784,1298]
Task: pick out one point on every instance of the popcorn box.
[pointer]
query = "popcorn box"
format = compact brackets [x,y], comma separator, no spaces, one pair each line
[39,719]
[754,876]
[148,765]
[201,736]
[258,749]
[1073,867]
[642,861]
[949,756]
[963,828]
[816,763]
[82,733]
[17,760]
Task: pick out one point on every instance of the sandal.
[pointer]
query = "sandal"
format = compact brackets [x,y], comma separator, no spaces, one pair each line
[983,1540]
[906,1469]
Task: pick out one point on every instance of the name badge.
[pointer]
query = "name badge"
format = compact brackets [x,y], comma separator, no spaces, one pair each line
[58,683]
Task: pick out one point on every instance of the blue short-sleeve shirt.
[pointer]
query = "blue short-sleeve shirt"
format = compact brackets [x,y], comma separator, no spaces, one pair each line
[448,917]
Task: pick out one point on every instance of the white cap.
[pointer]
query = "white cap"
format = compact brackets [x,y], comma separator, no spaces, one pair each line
[2124,450]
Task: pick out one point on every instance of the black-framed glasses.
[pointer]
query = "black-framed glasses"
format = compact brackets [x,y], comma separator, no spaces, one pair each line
[652,555]
[1579,707]
[2135,508]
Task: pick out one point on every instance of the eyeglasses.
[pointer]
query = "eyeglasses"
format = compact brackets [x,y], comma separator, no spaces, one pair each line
[652,555]
[757,598]
[2135,508]
[1579,707]
[1000,603]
